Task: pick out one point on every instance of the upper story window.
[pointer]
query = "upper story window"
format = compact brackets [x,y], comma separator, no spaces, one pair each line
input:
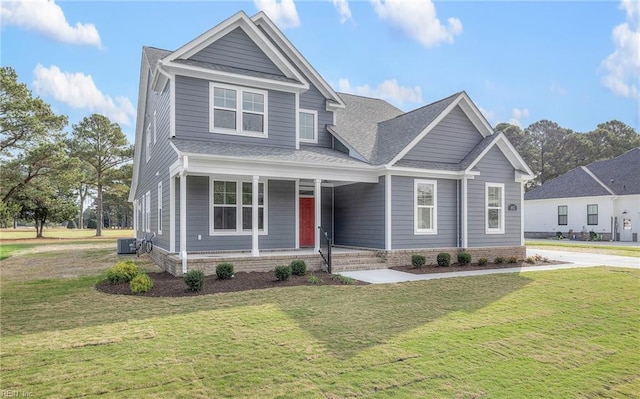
[563,215]
[238,110]
[495,208]
[592,214]
[308,126]
[425,197]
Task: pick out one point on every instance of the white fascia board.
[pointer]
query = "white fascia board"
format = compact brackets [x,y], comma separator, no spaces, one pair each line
[238,20]
[433,173]
[205,165]
[262,20]
[233,78]
[513,156]
[425,131]
[352,152]
[475,116]
[142,105]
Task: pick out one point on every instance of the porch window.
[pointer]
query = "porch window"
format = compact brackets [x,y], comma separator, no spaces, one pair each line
[236,110]
[495,208]
[563,212]
[425,199]
[232,211]
[592,215]
[307,128]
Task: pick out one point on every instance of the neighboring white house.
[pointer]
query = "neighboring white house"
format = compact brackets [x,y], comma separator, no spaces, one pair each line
[603,197]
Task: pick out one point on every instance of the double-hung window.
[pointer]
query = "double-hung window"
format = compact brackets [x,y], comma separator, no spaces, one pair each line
[563,213]
[495,208]
[592,214]
[159,208]
[147,210]
[308,126]
[237,110]
[425,200]
[232,207]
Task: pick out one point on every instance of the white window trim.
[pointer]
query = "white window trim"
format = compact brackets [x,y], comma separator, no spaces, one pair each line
[501,229]
[147,215]
[238,231]
[315,126]
[160,215]
[434,229]
[238,131]
[147,143]
[155,128]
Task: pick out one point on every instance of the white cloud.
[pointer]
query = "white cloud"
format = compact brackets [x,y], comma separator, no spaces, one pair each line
[46,17]
[388,90]
[418,20]
[488,114]
[517,115]
[342,6]
[78,90]
[282,13]
[557,89]
[622,67]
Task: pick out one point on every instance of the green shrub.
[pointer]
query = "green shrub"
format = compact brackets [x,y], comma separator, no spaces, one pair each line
[194,279]
[444,259]
[298,267]
[464,258]
[122,272]
[313,279]
[224,271]
[343,279]
[283,272]
[512,259]
[483,261]
[418,260]
[141,283]
[498,260]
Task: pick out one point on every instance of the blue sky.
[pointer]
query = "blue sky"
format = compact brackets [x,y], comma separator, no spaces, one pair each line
[576,63]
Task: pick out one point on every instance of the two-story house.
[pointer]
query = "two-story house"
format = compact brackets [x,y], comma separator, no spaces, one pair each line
[244,153]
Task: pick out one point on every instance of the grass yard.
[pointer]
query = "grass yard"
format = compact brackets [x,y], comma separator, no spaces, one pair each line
[632,249]
[563,334]
[62,233]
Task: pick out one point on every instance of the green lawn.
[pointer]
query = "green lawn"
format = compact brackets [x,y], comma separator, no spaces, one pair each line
[61,233]
[587,246]
[562,334]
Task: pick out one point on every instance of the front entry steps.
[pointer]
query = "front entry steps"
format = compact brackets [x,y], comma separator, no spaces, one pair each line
[356,261]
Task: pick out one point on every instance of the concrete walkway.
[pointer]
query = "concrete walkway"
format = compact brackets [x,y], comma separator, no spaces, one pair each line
[570,260]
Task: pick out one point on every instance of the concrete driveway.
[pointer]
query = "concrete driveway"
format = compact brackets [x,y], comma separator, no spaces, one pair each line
[570,260]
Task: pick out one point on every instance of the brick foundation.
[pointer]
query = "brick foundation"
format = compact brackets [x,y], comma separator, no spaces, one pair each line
[403,257]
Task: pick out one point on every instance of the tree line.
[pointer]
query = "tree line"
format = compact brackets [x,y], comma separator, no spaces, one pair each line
[47,175]
[551,150]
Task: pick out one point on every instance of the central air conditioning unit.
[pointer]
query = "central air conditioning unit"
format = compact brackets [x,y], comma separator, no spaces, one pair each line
[126,246]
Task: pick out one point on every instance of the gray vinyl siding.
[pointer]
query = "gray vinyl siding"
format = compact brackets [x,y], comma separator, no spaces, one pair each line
[450,141]
[327,212]
[493,168]
[192,116]
[359,215]
[281,219]
[237,50]
[403,215]
[156,169]
[312,99]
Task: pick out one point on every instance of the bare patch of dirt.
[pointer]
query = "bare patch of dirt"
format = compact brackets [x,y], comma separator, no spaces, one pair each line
[167,285]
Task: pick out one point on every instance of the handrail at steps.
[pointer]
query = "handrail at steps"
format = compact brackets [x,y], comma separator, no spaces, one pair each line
[327,259]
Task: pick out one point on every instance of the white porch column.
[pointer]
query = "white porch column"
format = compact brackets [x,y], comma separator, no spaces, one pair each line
[387,211]
[465,244]
[255,251]
[522,213]
[183,221]
[172,214]
[317,192]
[297,213]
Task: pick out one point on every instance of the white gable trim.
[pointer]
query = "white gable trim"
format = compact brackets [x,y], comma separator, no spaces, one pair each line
[238,20]
[142,106]
[468,107]
[261,20]
[510,153]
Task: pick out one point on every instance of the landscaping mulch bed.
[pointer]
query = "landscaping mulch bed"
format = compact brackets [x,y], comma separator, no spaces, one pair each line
[473,266]
[166,285]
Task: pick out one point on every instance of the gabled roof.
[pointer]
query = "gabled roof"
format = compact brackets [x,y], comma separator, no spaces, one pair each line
[617,176]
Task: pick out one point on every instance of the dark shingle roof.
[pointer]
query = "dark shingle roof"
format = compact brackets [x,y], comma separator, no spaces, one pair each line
[620,175]
[154,55]
[306,154]
[357,123]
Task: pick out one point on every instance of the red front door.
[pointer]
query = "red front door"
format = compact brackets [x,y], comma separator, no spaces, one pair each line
[307,222]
